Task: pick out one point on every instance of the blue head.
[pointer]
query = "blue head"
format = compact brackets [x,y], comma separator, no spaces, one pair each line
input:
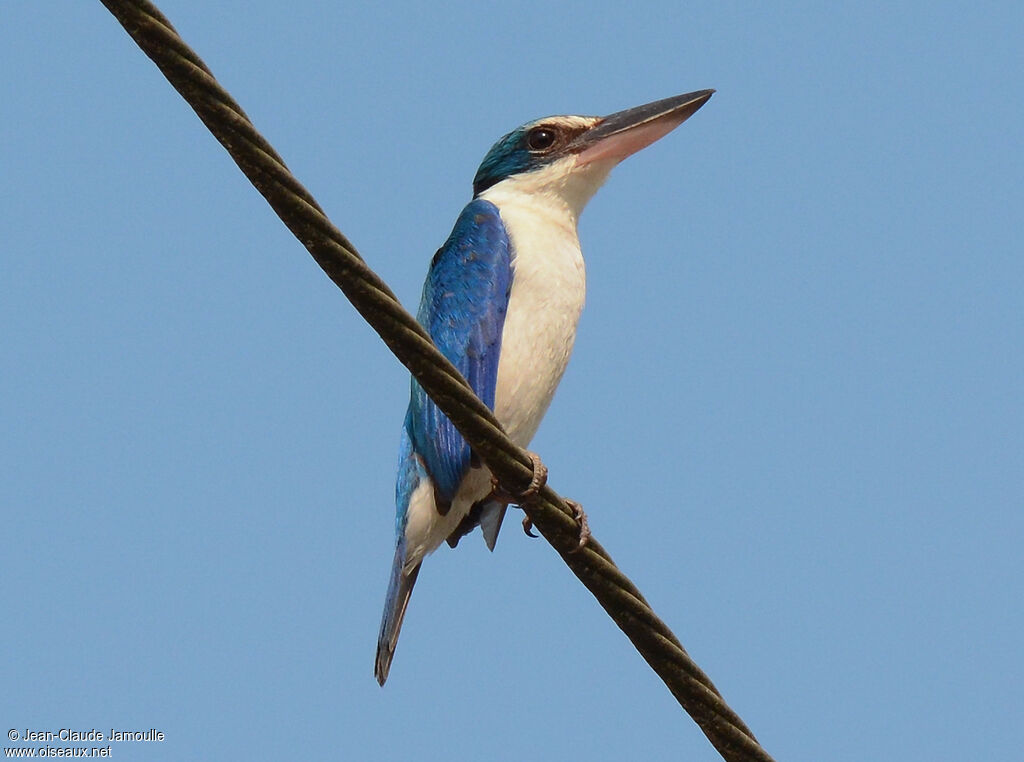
[557,149]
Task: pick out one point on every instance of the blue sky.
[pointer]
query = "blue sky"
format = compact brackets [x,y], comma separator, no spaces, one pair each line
[794,413]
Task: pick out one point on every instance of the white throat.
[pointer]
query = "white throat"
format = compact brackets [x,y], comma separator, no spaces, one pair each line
[557,192]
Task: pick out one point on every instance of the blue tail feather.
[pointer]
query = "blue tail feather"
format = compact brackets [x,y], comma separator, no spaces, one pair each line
[399,590]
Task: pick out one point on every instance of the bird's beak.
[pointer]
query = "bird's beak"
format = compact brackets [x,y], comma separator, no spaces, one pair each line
[622,134]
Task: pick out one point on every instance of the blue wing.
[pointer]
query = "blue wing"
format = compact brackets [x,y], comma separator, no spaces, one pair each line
[463,309]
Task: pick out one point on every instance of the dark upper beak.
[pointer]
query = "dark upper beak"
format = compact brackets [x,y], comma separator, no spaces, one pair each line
[625,132]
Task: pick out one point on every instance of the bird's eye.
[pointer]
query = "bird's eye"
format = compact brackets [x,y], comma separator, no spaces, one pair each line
[540,139]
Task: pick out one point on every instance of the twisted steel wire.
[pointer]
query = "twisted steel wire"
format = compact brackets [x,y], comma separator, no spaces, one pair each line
[412,345]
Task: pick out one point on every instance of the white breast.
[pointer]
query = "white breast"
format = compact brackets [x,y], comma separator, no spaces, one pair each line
[548,290]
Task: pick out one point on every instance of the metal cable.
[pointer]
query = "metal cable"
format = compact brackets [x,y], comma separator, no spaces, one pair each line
[410,343]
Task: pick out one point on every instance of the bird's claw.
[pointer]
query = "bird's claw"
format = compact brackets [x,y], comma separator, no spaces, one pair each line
[528,527]
[581,519]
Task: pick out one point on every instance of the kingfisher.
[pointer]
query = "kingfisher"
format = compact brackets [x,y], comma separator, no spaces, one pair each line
[501,301]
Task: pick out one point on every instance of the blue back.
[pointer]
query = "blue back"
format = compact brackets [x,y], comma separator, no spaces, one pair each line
[463,309]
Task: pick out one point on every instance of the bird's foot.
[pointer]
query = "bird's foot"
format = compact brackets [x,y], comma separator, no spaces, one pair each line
[581,519]
[539,479]
[528,495]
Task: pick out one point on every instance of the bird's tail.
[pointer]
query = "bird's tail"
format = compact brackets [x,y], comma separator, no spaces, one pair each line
[399,590]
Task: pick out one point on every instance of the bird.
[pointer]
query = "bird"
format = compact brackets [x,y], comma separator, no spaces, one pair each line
[501,301]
